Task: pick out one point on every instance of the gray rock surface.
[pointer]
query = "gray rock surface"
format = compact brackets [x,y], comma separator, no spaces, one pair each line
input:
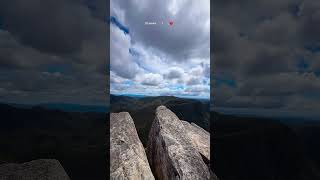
[171,152]
[128,160]
[199,137]
[42,169]
[201,141]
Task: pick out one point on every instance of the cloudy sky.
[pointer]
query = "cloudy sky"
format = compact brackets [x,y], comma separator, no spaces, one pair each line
[159,59]
[266,54]
[53,51]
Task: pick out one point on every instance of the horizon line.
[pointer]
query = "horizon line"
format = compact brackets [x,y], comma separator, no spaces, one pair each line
[144,95]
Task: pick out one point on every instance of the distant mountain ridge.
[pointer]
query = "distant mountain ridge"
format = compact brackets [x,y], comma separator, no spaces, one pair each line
[150,96]
[270,113]
[75,107]
[142,110]
[68,107]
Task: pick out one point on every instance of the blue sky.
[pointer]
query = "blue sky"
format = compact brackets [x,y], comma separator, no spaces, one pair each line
[159,59]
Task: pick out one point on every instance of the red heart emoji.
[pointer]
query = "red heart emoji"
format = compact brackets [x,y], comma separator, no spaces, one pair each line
[171,23]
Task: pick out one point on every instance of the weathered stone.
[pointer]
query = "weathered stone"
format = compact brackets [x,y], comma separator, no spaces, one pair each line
[199,137]
[128,159]
[170,150]
[42,169]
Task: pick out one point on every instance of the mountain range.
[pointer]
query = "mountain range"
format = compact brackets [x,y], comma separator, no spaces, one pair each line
[142,110]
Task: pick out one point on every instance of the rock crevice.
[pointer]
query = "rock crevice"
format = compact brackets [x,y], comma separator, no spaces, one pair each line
[199,138]
[127,156]
[171,152]
[175,149]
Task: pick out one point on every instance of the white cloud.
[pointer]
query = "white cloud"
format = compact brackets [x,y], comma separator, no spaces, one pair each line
[164,60]
[121,61]
[152,79]
[115,79]
[174,73]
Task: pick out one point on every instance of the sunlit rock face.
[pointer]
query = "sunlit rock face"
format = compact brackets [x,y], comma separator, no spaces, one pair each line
[42,169]
[128,160]
[171,153]
[200,138]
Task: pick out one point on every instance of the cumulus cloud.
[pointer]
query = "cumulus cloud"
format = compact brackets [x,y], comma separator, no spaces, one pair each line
[176,42]
[53,51]
[152,79]
[121,60]
[174,73]
[265,54]
[194,81]
[159,59]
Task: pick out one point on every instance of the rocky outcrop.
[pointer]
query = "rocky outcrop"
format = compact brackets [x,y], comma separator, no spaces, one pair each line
[200,138]
[171,153]
[128,159]
[42,169]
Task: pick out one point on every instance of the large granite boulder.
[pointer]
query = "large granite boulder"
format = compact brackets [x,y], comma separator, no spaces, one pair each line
[200,138]
[128,160]
[42,169]
[171,152]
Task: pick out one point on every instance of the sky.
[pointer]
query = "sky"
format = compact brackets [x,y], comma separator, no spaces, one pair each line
[266,54]
[159,59]
[53,51]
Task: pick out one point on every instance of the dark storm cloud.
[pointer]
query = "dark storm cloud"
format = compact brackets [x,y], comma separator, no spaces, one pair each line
[310,22]
[259,45]
[53,25]
[14,55]
[174,73]
[53,51]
